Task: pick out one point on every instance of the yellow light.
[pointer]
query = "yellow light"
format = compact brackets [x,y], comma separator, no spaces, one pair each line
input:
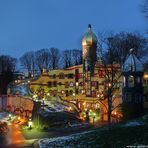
[77,83]
[48,94]
[84,103]
[109,85]
[98,95]
[30,123]
[19,118]
[146,76]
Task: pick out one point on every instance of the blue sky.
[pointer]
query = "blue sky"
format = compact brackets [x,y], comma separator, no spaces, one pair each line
[35,24]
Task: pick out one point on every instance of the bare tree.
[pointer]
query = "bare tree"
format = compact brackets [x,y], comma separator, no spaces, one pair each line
[76,57]
[72,57]
[7,68]
[42,59]
[28,62]
[120,43]
[145,8]
[112,76]
[54,57]
[67,58]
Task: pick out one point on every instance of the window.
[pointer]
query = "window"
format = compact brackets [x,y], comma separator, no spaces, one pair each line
[101,73]
[54,83]
[124,81]
[81,84]
[61,76]
[70,76]
[54,76]
[138,81]
[50,84]
[130,81]
[71,92]
[71,84]
[66,84]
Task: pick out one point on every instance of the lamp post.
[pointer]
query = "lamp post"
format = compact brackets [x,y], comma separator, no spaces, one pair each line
[77,84]
[30,124]
[43,103]
[10,116]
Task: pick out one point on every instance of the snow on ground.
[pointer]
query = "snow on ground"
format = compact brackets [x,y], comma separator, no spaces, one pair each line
[133,123]
[54,106]
[60,141]
[21,88]
[3,116]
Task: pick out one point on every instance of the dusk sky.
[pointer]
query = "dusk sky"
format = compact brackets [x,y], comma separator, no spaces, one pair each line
[35,24]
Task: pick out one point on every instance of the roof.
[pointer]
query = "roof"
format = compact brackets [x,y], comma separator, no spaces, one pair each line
[132,63]
[89,37]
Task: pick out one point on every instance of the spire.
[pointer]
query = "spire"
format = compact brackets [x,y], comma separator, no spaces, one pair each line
[89,26]
[132,51]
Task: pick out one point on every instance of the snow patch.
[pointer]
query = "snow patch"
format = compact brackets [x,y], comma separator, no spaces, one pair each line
[133,123]
[60,141]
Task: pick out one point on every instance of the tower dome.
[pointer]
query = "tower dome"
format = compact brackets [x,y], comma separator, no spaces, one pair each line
[132,63]
[89,37]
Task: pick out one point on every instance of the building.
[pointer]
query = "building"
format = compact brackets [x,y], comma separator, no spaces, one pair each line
[86,84]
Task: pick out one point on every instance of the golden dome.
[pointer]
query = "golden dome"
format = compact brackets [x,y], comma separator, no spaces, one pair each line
[89,37]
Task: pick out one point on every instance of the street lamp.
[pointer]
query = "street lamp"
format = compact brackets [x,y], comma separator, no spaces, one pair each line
[30,124]
[10,116]
[43,103]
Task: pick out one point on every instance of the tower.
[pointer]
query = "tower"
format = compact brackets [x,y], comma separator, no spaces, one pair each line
[132,89]
[89,47]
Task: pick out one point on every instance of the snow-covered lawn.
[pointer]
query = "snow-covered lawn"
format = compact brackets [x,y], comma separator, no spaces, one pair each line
[60,141]
[54,106]
[133,123]
[4,116]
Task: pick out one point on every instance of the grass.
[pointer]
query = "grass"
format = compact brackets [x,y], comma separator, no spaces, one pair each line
[119,136]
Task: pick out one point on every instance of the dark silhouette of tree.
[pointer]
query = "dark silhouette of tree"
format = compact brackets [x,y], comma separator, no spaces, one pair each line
[76,57]
[28,61]
[72,57]
[42,59]
[119,44]
[7,68]
[67,58]
[54,58]
[110,88]
[145,8]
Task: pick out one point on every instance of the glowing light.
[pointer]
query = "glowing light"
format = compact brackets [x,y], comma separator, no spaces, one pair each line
[84,103]
[77,83]
[30,123]
[109,84]
[146,76]
[35,96]
[70,108]
[19,118]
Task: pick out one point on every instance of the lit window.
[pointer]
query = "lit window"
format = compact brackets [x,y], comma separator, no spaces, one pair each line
[71,84]
[130,81]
